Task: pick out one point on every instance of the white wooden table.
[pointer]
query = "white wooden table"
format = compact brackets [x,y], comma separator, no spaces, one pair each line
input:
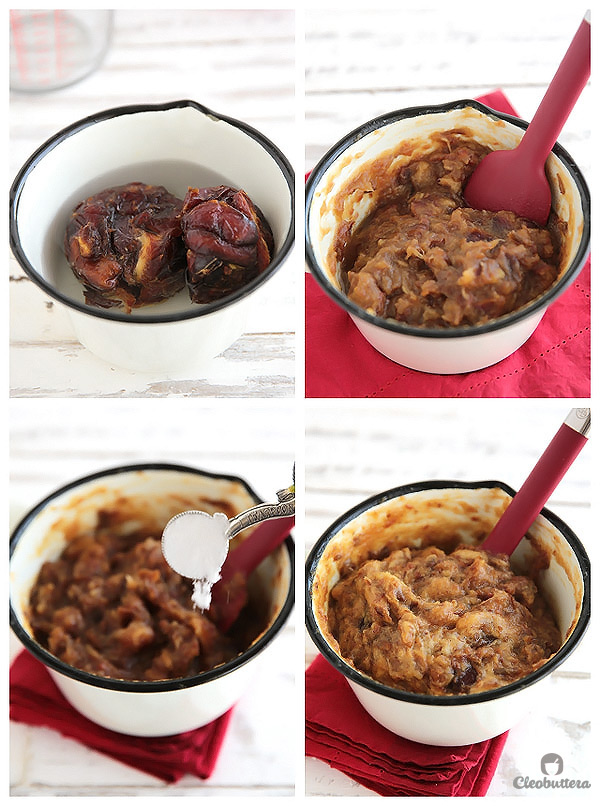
[367,61]
[238,62]
[75,438]
[359,449]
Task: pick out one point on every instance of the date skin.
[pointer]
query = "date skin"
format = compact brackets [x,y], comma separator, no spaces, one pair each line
[124,244]
[228,240]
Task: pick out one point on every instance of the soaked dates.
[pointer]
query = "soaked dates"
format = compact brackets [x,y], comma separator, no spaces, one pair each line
[228,239]
[137,244]
[124,244]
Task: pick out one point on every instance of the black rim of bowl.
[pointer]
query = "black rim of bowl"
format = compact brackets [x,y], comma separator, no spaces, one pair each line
[115,315]
[431,699]
[536,305]
[140,685]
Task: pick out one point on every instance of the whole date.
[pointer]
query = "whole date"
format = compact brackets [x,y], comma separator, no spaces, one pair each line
[228,239]
[124,244]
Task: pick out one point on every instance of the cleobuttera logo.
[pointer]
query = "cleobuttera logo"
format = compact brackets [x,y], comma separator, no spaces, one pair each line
[551,766]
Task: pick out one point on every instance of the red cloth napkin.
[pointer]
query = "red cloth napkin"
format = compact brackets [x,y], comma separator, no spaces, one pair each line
[340,732]
[35,700]
[554,362]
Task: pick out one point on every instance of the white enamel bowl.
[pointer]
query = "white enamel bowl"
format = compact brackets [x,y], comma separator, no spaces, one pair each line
[177,145]
[436,350]
[404,516]
[150,494]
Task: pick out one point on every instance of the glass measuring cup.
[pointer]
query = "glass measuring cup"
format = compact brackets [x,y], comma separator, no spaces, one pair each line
[52,48]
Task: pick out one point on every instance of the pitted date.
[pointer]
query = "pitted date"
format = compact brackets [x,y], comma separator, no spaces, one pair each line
[124,244]
[228,240]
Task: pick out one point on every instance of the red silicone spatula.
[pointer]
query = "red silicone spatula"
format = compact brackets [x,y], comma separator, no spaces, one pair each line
[515,179]
[228,601]
[540,484]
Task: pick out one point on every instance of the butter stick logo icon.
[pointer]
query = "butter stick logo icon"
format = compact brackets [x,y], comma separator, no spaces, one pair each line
[551,764]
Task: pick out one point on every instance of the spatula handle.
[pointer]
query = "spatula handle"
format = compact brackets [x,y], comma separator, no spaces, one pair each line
[249,553]
[540,484]
[560,98]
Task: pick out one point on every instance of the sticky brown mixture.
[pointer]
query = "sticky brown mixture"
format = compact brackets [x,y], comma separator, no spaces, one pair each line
[424,258]
[434,623]
[112,606]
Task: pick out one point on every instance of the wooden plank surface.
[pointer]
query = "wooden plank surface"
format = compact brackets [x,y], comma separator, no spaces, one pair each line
[366,62]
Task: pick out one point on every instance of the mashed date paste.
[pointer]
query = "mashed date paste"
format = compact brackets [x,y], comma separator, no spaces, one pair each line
[111,605]
[429,622]
[424,258]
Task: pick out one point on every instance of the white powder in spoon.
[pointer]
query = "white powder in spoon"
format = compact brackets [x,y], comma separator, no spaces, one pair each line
[195,544]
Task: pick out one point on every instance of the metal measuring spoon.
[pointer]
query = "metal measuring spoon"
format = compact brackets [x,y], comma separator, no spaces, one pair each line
[196,544]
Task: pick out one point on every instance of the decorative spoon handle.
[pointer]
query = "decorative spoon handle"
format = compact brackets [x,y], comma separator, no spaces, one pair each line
[275,523]
[540,484]
[284,507]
